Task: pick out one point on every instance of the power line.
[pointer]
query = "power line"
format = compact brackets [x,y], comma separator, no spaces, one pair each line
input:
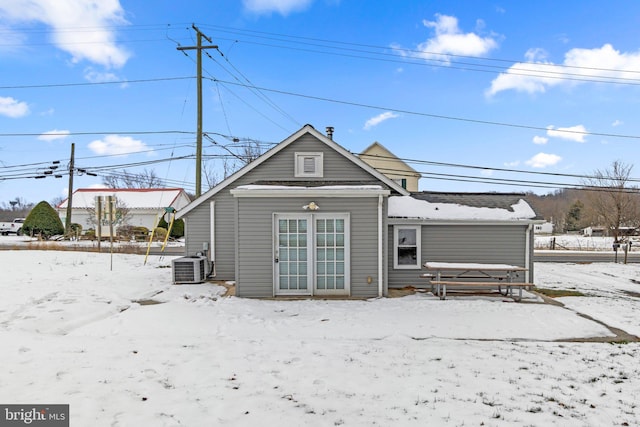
[435,116]
[411,56]
[149,132]
[117,82]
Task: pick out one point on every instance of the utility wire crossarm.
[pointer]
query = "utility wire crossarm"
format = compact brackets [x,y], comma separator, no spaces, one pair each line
[198,48]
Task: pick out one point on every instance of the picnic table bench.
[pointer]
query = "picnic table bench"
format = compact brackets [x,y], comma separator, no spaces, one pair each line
[463,275]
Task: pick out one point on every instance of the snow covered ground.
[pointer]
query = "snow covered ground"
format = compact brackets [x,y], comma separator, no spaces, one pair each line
[79,328]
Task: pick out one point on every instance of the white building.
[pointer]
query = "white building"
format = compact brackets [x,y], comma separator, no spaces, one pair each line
[544,228]
[137,206]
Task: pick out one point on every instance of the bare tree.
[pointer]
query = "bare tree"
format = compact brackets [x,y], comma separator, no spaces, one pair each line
[613,202]
[125,179]
[121,214]
[14,209]
[210,175]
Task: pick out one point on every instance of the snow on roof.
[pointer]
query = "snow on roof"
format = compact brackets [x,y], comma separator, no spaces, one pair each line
[133,198]
[409,207]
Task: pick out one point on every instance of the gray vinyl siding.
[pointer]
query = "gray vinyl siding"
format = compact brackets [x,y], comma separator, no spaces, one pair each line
[255,241]
[279,167]
[501,244]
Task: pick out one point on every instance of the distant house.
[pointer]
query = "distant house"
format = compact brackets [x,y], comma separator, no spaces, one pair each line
[377,156]
[310,218]
[142,205]
[594,231]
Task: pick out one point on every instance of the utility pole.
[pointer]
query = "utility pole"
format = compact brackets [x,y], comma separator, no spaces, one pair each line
[198,49]
[67,222]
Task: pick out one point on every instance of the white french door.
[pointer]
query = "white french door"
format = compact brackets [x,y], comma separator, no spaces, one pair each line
[311,254]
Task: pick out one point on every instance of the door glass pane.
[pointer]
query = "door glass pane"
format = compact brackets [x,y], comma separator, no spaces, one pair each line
[330,253]
[292,255]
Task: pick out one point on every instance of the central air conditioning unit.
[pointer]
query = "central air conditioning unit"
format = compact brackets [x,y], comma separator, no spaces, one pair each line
[189,269]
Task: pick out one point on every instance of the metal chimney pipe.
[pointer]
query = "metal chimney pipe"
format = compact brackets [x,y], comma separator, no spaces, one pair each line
[330,132]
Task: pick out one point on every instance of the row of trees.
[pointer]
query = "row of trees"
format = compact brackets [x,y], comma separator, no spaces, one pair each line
[609,198]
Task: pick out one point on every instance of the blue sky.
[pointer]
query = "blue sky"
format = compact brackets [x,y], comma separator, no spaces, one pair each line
[474,94]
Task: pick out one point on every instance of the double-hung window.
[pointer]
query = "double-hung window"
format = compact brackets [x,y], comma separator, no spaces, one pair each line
[406,247]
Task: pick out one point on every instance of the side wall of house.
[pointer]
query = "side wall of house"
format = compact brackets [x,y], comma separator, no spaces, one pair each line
[501,244]
[255,241]
[277,168]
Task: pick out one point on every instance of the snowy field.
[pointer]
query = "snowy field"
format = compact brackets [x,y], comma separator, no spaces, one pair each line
[76,330]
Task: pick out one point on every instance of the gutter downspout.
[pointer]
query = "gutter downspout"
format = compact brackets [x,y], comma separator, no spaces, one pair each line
[380,241]
[527,254]
[212,236]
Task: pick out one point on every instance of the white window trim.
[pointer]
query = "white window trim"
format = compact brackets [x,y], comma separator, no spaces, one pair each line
[299,165]
[417,265]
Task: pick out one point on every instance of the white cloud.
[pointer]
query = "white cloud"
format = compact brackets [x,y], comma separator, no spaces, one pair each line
[94,39]
[93,76]
[512,164]
[118,145]
[13,108]
[617,123]
[572,133]
[542,160]
[538,74]
[374,121]
[540,140]
[450,40]
[52,135]
[487,172]
[283,7]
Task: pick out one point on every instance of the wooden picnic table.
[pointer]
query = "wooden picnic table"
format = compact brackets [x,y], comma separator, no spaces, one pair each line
[459,274]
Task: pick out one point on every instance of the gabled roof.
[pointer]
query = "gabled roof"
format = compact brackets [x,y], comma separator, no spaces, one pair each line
[133,198]
[273,151]
[462,206]
[388,155]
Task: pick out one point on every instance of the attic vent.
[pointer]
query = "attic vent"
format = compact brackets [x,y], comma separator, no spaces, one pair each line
[308,165]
